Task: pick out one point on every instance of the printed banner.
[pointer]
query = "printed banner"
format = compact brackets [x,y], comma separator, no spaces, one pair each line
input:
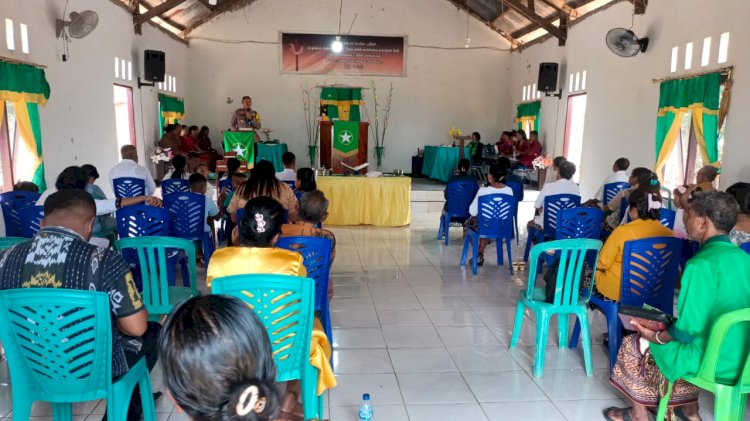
[242,144]
[362,55]
[346,137]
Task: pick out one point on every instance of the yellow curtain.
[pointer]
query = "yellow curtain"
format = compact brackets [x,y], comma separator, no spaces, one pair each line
[26,149]
[669,141]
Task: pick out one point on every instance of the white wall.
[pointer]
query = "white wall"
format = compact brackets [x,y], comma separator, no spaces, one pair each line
[465,88]
[622,100]
[78,122]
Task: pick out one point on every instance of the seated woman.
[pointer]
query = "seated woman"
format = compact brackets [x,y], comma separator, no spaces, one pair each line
[528,150]
[179,169]
[255,236]
[496,185]
[644,205]
[305,182]
[263,182]
[475,147]
[740,234]
[716,281]
[506,145]
[238,381]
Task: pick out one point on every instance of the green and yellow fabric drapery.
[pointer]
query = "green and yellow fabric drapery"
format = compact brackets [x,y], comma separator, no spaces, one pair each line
[171,111]
[699,95]
[25,87]
[342,103]
[529,113]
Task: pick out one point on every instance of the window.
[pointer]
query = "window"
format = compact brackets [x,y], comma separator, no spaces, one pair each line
[723,47]
[9,36]
[16,161]
[24,38]
[573,146]
[706,56]
[124,116]
[686,159]
[688,56]
[673,65]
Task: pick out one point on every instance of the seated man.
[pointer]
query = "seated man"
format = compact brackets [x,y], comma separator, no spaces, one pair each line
[59,256]
[129,167]
[289,173]
[563,185]
[618,176]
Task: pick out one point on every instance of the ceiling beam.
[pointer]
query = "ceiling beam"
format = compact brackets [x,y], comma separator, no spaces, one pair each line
[157,11]
[216,11]
[560,33]
[563,7]
[136,12]
[461,4]
[639,6]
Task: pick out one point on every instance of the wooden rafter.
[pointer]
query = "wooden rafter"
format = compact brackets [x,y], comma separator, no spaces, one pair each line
[461,4]
[560,33]
[563,7]
[217,10]
[136,12]
[157,11]
[639,6]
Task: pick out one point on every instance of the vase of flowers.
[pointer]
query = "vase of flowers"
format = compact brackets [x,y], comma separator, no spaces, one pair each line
[454,133]
[379,125]
[541,162]
[312,121]
[160,154]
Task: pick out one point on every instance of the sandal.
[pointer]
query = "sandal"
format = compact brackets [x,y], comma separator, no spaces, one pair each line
[681,415]
[625,414]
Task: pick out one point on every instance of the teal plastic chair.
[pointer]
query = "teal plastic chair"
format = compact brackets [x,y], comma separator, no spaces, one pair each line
[285,306]
[569,299]
[730,398]
[8,242]
[158,297]
[59,348]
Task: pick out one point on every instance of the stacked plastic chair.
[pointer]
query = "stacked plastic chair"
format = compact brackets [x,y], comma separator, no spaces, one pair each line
[552,206]
[187,219]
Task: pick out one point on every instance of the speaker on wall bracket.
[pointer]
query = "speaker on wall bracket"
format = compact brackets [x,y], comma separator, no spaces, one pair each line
[154,67]
[547,81]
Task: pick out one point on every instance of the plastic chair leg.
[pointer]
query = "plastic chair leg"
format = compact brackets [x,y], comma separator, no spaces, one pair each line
[562,330]
[517,325]
[729,404]
[446,229]
[500,252]
[440,228]
[21,407]
[614,333]
[61,411]
[147,397]
[528,248]
[576,334]
[310,399]
[510,255]
[542,330]
[583,321]
[474,253]
[466,249]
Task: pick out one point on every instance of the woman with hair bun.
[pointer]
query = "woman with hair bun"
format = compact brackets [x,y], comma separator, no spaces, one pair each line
[643,210]
[238,379]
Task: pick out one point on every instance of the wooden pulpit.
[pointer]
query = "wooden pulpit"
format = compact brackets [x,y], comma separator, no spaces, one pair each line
[328,156]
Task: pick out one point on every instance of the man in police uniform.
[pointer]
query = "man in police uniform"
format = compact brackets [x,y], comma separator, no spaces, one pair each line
[245,117]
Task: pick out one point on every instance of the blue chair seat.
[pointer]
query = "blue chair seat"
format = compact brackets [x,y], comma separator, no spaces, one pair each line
[495,221]
[459,196]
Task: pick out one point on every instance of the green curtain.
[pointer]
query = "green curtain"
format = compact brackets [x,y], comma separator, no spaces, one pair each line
[528,112]
[26,87]
[171,110]
[700,95]
[342,103]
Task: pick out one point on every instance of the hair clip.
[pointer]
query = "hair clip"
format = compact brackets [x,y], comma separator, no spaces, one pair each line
[260,222]
[243,408]
[653,204]
[654,181]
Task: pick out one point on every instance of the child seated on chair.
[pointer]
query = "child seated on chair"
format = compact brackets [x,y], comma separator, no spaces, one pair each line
[238,179]
[199,184]
[496,180]
[238,381]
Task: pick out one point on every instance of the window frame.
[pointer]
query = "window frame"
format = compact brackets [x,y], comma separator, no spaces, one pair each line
[131,112]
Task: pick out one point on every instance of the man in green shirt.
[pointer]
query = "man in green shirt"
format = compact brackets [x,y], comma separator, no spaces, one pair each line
[716,281]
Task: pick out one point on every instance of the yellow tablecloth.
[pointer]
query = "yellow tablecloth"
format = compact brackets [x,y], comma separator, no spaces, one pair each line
[355,200]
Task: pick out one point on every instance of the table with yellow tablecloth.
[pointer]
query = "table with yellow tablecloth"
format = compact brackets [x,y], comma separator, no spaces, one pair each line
[359,200]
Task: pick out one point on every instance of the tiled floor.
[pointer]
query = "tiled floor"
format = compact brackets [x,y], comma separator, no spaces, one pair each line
[429,341]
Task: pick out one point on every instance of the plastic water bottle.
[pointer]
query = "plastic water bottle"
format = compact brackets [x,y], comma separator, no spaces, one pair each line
[365,410]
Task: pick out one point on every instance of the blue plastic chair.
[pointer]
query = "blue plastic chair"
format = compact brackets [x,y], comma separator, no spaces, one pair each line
[518,195]
[291,184]
[316,251]
[667,217]
[494,220]
[8,242]
[153,254]
[285,305]
[187,219]
[569,298]
[552,206]
[666,196]
[611,190]
[12,203]
[649,273]
[174,185]
[579,222]
[460,194]
[129,187]
[31,220]
[226,183]
[746,247]
[59,348]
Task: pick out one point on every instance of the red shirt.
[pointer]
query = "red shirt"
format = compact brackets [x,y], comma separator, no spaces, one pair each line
[188,144]
[531,150]
[505,147]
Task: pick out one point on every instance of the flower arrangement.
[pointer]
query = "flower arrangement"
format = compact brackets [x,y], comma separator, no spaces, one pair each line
[378,127]
[454,132]
[267,132]
[160,154]
[541,162]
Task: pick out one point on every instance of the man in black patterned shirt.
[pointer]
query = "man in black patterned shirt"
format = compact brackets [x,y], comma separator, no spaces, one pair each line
[59,256]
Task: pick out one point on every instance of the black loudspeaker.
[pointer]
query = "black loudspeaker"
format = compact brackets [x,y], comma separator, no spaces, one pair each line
[547,77]
[154,65]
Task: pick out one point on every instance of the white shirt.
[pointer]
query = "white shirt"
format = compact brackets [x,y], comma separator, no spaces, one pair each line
[103,207]
[484,191]
[561,186]
[615,177]
[287,175]
[130,168]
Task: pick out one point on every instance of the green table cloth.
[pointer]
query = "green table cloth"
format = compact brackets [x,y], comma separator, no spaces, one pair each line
[441,161]
[272,152]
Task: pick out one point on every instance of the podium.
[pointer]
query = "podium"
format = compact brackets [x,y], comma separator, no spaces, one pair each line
[330,159]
